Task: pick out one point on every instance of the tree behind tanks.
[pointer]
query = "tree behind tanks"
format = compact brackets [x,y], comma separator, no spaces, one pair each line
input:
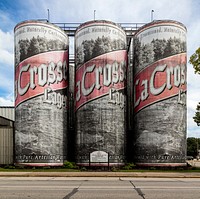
[197,115]
[192,146]
[195,61]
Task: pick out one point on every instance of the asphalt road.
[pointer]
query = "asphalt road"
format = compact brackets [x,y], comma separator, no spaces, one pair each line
[98,187]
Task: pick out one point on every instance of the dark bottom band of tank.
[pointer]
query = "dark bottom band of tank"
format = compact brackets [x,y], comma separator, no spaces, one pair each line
[39,159]
[101,164]
[39,164]
[161,164]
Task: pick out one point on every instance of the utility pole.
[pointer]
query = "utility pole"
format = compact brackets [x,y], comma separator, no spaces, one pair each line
[152,11]
[197,148]
[94,14]
[48,15]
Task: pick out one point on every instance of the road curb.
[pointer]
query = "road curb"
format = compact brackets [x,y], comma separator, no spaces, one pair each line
[103,174]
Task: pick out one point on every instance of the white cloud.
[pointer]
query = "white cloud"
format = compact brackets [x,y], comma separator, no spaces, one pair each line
[6,49]
[6,58]
[6,41]
[193,97]
[195,132]
[192,126]
[6,67]
[140,11]
[7,82]
[6,21]
[4,101]
[116,11]
[193,36]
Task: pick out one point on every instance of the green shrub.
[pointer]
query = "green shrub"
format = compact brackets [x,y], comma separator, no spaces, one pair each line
[129,166]
[69,165]
[152,168]
[46,167]
[9,167]
[83,169]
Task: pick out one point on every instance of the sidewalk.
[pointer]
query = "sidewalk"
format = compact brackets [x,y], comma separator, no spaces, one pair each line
[103,174]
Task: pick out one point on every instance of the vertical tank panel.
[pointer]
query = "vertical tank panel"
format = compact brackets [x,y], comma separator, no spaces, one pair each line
[101,61]
[160,94]
[41,85]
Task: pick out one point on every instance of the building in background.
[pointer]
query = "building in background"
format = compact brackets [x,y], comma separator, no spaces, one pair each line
[7,118]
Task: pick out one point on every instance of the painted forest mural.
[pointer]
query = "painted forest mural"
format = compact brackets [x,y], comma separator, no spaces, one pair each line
[155,50]
[93,48]
[29,47]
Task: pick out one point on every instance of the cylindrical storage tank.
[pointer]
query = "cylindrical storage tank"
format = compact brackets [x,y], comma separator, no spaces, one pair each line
[160,94]
[100,82]
[41,85]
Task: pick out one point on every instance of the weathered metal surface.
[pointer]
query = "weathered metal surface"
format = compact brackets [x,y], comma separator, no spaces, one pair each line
[41,86]
[101,61]
[160,94]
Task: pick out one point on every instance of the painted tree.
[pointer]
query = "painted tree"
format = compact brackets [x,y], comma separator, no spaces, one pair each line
[23,48]
[98,47]
[34,47]
[79,55]
[159,46]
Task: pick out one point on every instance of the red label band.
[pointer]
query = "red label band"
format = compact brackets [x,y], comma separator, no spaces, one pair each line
[41,74]
[161,80]
[100,76]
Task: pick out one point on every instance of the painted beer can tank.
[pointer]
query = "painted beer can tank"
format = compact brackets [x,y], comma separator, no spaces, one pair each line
[41,85]
[100,82]
[160,94]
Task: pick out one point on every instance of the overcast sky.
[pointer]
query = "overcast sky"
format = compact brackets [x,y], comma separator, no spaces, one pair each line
[133,11]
